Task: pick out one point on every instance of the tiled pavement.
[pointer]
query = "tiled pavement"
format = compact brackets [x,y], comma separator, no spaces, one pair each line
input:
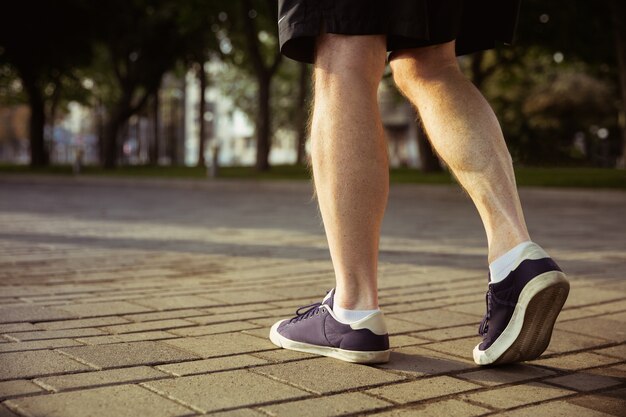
[131,298]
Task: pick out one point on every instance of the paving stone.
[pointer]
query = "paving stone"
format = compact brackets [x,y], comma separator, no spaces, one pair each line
[5,412]
[149,325]
[126,338]
[615,371]
[222,344]
[610,402]
[261,332]
[32,313]
[584,381]
[563,341]
[229,327]
[17,365]
[99,378]
[110,308]
[17,327]
[228,390]
[398,341]
[80,323]
[224,318]
[423,389]
[55,334]
[17,388]
[164,315]
[436,318]
[597,327]
[518,395]
[328,406]
[241,308]
[283,355]
[576,361]
[554,409]
[416,361]
[130,401]
[457,332]
[212,365]
[321,375]
[618,351]
[437,409]
[462,348]
[38,345]
[128,354]
[244,297]
[506,374]
[177,302]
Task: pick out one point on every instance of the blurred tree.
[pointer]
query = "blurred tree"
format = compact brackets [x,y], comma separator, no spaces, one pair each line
[252,43]
[141,42]
[45,42]
[553,38]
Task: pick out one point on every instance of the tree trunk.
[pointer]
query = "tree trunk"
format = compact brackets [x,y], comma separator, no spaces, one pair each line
[428,159]
[173,131]
[201,111]
[38,152]
[263,126]
[153,152]
[117,118]
[111,133]
[100,131]
[302,113]
[618,11]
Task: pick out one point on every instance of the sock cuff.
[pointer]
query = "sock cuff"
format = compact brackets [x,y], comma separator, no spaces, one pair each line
[502,266]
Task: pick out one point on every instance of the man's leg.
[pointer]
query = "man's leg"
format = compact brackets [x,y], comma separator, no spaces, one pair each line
[465,133]
[527,289]
[349,158]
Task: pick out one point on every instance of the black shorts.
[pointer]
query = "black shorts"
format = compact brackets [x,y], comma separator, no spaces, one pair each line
[475,24]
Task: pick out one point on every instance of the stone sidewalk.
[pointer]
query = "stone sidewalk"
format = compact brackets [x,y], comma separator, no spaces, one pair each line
[154,298]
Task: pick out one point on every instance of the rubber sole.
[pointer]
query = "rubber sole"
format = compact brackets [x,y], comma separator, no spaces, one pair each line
[529,331]
[353,356]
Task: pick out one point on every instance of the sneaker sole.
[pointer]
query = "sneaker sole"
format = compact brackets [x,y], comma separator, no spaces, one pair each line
[529,331]
[354,356]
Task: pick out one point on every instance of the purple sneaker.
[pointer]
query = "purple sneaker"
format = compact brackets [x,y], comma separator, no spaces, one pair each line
[315,329]
[521,310]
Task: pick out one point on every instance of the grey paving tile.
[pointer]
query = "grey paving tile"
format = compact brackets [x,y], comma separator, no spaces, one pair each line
[322,375]
[100,378]
[109,308]
[18,365]
[222,344]
[128,354]
[129,401]
[32,313]
[327,406]
[211,365]
[38,345]
[518,395]
[17,388]
[228,390]
[423,389]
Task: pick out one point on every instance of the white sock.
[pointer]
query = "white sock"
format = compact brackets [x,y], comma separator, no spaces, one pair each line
[350,316]
[502,267]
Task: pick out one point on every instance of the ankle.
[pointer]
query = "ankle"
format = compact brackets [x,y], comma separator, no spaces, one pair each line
[501,246]
[356,299]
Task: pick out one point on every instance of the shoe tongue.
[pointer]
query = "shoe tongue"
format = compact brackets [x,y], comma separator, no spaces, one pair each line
[329,299]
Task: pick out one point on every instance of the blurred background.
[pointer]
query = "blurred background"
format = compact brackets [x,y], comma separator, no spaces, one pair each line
[171,87]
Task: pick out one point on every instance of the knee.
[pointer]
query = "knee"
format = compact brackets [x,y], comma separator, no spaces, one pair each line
[411,67]
[344,61]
